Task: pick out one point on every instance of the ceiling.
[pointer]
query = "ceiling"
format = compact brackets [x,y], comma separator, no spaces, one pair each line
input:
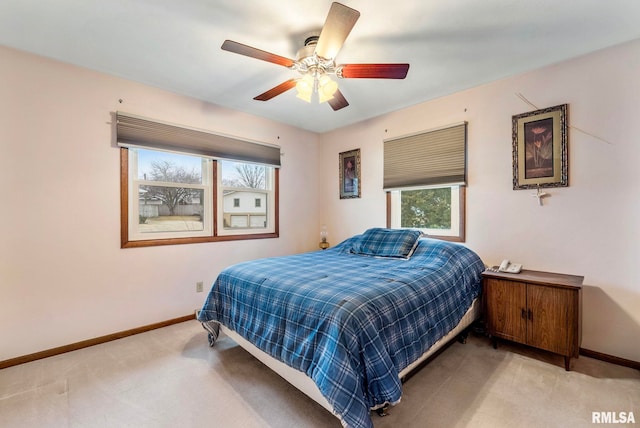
[451,45]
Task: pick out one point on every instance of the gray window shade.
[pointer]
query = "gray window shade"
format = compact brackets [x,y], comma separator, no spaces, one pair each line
[133,131]
[435,157]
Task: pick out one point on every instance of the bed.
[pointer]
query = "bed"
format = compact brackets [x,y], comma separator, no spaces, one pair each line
[346,324]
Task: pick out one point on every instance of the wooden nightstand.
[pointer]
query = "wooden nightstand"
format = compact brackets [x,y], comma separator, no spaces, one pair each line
[539,309]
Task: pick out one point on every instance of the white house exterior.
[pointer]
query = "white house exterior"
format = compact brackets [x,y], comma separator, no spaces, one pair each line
[245,208]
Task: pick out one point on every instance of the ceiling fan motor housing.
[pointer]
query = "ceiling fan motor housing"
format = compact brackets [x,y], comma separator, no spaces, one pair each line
[310,63]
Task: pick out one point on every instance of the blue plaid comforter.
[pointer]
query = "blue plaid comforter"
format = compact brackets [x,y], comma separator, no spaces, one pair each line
[350,322]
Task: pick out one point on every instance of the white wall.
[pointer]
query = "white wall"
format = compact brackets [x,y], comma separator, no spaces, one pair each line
[590,228]
[63,276]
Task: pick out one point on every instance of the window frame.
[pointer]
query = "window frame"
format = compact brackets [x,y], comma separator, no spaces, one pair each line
[460,236]
[126,242]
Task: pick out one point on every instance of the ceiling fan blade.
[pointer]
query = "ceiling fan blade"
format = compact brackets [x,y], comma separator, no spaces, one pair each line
[274,92]
[373,71]
[337,27]
[338,101]
[239,48]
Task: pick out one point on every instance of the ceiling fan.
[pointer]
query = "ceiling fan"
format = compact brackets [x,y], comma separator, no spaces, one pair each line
[316,61]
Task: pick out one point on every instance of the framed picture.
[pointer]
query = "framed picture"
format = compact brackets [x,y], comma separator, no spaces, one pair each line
[540,157]
[349,174]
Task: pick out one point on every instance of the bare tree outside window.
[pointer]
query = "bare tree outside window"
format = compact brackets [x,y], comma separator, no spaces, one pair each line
[247,175]
[169,172]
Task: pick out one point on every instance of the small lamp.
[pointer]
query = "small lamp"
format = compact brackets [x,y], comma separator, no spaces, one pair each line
[323,238]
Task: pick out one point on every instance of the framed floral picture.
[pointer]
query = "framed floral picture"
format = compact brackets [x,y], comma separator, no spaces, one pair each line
[349,164]
[540,152]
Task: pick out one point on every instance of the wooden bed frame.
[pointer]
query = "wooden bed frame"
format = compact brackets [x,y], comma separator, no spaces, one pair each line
[305,384]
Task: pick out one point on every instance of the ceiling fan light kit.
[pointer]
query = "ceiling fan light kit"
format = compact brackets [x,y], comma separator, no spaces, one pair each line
[304,86]
[316,62]
[326,88]
[314,70]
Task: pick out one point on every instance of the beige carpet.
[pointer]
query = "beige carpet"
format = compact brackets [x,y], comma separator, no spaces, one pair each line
[171,378]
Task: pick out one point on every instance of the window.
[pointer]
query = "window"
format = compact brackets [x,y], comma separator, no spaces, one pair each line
[437,211]
[240,185]
[170,195]
[425,178]
[175,193]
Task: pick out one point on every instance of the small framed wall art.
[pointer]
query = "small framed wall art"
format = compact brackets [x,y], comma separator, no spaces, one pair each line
[540,152]
[349,164]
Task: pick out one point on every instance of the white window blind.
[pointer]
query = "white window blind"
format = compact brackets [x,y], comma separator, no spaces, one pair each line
[432,158]
[134,131]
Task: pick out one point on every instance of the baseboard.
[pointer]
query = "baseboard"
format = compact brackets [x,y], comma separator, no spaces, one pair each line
[119,335]
[91,342]
[610,358]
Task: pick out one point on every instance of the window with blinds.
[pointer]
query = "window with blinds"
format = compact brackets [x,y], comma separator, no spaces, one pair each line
[180,185]
[424,176]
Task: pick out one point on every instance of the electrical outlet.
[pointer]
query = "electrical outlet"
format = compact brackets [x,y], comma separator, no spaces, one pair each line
[199,287]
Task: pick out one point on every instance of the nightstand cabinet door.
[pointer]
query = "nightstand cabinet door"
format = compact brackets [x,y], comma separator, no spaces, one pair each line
[506,303]
[547,318]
